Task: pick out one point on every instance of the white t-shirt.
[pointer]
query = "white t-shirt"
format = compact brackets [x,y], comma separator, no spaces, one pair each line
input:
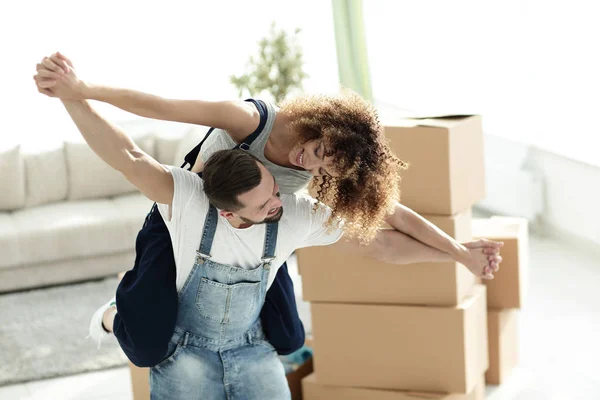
[299,227]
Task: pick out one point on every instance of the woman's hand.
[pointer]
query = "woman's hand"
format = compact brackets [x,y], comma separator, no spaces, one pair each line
[482,258]
[56,77]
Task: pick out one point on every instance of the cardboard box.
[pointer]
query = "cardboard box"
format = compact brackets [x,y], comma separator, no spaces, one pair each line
[502,342]
[508,288]
[429,349]
[446,173]
[314,390]
[331,276]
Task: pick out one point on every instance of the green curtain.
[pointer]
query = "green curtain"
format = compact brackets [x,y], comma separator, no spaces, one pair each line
[353,63]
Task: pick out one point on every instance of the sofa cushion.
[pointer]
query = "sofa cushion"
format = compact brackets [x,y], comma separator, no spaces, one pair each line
[45,175]
[92,178]
[135,207]
[66,230]
[12,178]
[9,243]
[65,271]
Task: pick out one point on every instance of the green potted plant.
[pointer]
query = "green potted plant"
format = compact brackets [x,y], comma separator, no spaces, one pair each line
[277,68]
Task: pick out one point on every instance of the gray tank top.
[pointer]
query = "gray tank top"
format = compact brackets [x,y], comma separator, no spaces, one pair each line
[288,179]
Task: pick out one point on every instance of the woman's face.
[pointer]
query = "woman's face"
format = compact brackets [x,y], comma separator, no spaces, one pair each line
[312,157]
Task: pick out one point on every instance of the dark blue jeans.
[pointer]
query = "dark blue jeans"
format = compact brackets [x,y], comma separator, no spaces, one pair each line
[147,301]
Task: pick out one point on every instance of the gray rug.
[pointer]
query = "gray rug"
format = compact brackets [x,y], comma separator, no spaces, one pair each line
[43,332]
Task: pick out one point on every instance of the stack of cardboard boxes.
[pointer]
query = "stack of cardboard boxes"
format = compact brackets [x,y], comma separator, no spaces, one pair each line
[505,293]
[384,331]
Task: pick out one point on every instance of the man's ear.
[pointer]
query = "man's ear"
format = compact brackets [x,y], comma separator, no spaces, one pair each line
[227,214]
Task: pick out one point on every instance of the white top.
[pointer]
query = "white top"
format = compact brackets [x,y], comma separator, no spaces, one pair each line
[299,227]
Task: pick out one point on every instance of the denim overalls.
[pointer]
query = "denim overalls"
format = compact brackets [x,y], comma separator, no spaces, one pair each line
[219,350]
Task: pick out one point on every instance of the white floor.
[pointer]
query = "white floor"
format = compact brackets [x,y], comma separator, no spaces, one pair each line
[559,325]
[111,384]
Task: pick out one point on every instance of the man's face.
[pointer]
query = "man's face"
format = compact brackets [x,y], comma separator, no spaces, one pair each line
[261,204]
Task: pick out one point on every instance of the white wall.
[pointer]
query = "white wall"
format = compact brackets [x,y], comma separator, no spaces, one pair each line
[571,189]
[572,195]
[186,49]
[530,67]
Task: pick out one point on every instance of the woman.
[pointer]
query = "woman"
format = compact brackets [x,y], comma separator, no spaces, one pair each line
[334,142]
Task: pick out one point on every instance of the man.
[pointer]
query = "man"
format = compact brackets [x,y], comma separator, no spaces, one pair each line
[230,230]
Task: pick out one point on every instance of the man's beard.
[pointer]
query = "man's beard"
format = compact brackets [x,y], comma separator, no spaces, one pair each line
[274,218]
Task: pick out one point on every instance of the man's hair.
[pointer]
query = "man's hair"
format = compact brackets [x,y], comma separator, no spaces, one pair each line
[228,174]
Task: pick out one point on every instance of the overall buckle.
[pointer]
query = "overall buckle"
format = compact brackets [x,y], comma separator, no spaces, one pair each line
[201,257]
[267,261]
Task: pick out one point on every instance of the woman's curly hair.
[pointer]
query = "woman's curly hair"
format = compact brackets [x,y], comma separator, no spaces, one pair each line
[368,184]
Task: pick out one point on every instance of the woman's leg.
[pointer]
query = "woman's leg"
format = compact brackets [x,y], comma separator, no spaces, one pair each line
[147,296]
[279,315]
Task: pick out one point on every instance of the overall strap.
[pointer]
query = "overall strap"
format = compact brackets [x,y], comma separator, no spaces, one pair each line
[270,242]
[268,254]
[262,110]
[191,157]
[208,234]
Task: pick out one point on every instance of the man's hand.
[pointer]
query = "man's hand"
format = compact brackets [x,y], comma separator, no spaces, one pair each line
[483,257]
[56,77]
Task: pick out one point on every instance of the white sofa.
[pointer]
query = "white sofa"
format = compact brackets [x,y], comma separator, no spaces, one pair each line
[65,216]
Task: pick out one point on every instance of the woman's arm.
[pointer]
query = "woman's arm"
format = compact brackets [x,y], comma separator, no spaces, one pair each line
[394,247]
[409,222]
[239,118]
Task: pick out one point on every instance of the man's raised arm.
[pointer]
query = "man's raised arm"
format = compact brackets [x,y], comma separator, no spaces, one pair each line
[117,149]
[109,142]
